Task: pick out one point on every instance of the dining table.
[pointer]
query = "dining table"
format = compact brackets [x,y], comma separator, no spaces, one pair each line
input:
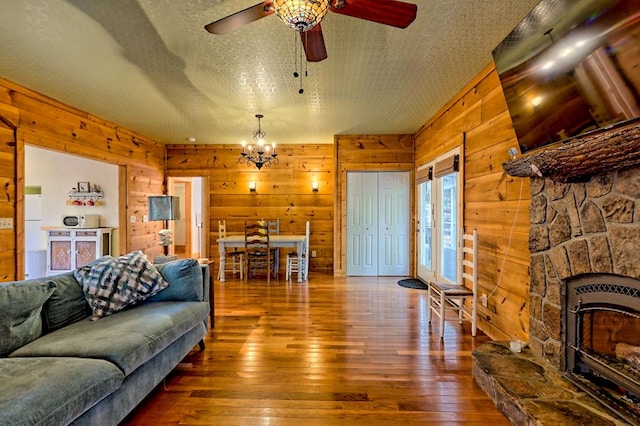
[275,241]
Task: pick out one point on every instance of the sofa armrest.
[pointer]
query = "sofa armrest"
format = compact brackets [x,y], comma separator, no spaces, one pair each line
[206,283]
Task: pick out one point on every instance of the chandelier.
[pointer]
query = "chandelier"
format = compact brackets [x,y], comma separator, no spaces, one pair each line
[301,15]
[258,153]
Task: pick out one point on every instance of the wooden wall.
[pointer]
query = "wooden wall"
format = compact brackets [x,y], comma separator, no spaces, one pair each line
[366,153]
[494,203]
[283,191]
[27,117]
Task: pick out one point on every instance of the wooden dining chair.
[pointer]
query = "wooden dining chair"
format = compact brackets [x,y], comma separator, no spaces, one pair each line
[257,250]
[274,229]
[293,261]
[234,260]
[460,298]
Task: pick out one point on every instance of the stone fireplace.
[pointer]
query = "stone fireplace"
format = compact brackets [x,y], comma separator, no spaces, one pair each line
[584,286]
[585,294]
[578,229]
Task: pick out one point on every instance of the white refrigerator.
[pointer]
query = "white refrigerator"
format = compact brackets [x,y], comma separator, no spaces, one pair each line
[34,238]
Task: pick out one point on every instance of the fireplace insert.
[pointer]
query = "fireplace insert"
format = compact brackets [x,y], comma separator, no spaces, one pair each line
[602,340]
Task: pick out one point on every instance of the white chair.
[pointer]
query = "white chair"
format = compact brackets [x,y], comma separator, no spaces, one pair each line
[443,297]
[293,265]
[234,260]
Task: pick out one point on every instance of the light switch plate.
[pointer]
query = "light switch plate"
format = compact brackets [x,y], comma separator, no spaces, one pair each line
[6,223]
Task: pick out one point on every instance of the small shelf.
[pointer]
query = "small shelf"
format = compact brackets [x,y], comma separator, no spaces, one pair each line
[90,199]
[85,195]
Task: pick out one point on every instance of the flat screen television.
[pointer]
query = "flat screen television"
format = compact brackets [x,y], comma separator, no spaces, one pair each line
[571,67]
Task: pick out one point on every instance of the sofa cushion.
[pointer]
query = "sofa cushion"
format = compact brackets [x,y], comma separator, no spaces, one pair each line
[112,284]
[185,281]
[20,308]
[53,391]
[127,339]
[66,305]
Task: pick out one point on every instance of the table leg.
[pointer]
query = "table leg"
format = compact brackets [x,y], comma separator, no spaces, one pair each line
[299,248]
[222,250]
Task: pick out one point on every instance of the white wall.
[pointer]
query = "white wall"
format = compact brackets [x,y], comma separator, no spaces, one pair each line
[57,173]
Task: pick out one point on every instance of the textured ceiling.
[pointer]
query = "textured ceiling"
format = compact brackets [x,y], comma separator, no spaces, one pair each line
[150,66]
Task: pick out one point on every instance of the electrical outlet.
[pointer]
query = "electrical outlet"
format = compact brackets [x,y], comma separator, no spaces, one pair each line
[484,300]
[133,219]
[145,218]
[313,253]
[6,223]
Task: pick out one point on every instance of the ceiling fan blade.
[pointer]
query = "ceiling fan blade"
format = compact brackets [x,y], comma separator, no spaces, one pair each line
[388,12]
[240,19]
[313,43]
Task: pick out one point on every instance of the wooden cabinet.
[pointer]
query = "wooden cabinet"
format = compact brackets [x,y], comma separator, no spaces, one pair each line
[68,249]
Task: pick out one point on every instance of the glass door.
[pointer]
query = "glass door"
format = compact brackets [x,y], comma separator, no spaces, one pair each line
[448,224]
[439,214]
[425,232]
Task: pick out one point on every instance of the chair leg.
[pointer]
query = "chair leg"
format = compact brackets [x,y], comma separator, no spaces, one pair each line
[442,313]
[460,310]
[429,311]
[474,313]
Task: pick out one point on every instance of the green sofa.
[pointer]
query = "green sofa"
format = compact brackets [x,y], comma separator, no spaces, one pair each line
[72,370]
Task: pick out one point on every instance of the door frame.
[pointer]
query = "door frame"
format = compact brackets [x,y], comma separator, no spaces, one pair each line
[181,176]
[435,273]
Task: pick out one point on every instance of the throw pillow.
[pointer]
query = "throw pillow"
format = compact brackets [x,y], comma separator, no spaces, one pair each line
[66,305]
[20,306]
[112,284]
[185,276]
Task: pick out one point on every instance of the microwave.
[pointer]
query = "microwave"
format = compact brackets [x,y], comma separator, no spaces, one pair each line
[81,221]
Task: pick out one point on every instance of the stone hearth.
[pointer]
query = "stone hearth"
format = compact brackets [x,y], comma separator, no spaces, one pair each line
[530,391]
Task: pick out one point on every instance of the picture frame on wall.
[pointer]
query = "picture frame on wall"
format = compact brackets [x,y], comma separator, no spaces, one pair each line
[84,187]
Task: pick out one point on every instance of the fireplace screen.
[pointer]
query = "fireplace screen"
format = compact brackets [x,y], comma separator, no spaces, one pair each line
[602,344]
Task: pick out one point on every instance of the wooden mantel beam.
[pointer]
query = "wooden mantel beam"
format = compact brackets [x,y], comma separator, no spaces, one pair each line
[582,157]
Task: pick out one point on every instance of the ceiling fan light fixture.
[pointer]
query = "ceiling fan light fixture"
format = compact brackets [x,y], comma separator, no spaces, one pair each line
[301,15]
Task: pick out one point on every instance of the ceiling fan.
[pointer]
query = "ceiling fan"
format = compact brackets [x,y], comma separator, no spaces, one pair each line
[305,16]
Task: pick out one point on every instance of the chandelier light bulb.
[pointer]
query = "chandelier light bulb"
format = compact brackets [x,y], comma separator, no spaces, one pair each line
[258,153]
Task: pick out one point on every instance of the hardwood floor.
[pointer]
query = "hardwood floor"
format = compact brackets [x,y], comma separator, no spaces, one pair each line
[330,351]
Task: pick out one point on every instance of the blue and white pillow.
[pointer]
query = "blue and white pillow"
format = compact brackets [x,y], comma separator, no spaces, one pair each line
[112,284]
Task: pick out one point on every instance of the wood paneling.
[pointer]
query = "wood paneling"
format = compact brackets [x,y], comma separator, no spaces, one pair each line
[383,153]
[282,191]
[46,123]
[495,203]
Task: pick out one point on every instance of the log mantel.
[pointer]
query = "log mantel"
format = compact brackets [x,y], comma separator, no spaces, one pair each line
[583,157]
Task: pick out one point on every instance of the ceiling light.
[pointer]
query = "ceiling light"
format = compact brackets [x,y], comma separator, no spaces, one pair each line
[258,153]
[301,15]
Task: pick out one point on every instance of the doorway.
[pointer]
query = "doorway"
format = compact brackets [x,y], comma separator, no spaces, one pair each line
[378,215]
[189,230]
[439,217]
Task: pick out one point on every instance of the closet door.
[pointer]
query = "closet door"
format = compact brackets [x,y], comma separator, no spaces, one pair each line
[362,224]
[378,223]
[393,224]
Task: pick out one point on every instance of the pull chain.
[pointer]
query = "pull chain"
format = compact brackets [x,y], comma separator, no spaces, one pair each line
[295,55]
[302,57]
